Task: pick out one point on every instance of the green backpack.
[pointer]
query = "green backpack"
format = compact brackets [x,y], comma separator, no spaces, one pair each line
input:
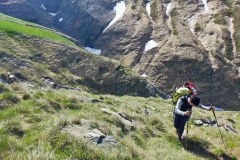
[179,92]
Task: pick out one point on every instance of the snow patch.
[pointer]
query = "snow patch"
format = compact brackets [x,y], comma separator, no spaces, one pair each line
[168,9]
[205,5]
[53,14]
[148,8]
[144,75]
[231,28]
[119,8]
[60,20]
[43,7]
[94,51]
[150,44]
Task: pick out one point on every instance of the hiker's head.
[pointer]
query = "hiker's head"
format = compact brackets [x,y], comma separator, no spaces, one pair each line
[194,100]
[185,84]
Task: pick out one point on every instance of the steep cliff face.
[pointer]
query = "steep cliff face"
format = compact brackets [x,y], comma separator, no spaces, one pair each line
[193,40]
[26,11]
[199,50]
[191,45]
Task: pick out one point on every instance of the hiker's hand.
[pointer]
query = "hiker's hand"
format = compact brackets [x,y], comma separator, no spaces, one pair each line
[187,113]
[211,108]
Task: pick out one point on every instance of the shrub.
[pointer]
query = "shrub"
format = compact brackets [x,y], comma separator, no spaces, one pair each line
[14,128]
[197,27]
[3,88]
[26,96]
[11,97]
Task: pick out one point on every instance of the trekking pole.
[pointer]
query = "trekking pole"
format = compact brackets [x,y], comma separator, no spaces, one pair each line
[219,131]
[187,126]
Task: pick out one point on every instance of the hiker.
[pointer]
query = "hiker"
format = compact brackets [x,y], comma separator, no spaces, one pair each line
[183,109]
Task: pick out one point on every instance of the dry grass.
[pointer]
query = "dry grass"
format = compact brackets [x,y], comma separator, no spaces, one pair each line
[33,129]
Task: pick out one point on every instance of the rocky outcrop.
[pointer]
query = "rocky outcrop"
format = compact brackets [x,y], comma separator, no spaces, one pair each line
[212,123]
[201,56]
[26,11]
[89,135]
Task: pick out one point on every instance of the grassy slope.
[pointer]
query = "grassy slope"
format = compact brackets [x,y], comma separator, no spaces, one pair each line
[31,120]
[31,127]
[12,25]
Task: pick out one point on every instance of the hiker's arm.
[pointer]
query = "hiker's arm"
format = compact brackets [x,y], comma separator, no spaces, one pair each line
[206,107]
[178,107]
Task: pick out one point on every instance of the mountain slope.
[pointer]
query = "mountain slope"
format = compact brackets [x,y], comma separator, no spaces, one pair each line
[70,122]
[30,58]
[195,41]
[59,124]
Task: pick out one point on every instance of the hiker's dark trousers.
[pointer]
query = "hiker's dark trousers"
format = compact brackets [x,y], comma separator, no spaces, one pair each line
[179,123]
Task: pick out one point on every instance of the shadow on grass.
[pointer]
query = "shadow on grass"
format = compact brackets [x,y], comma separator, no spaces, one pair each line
[199,147]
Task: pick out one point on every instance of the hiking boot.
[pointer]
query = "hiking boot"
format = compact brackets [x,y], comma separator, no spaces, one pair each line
[176,131]
[180,139]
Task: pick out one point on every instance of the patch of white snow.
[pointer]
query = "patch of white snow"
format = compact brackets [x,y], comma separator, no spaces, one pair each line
[119,8]
[53,14]
[148,8]
[43,7]
[92,50]
[168,9]
[150,44]
[60,20]
[144,75]
[231,27]
[205,5]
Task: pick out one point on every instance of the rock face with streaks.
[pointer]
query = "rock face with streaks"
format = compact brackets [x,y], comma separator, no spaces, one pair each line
[196,41]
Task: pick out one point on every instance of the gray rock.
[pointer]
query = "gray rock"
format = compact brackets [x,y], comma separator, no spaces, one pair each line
[229,128]
[198,122]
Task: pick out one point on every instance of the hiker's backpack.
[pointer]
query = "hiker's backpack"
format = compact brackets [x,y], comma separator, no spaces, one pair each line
[179,92]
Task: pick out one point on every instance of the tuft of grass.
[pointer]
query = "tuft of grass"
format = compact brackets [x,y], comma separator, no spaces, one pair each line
[4,145]
[14,128]
[139,140]
[67,147]
[3,88]
[26,96]
[10,96]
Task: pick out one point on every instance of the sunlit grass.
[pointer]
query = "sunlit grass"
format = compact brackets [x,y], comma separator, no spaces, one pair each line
[14,28]
[33,127]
